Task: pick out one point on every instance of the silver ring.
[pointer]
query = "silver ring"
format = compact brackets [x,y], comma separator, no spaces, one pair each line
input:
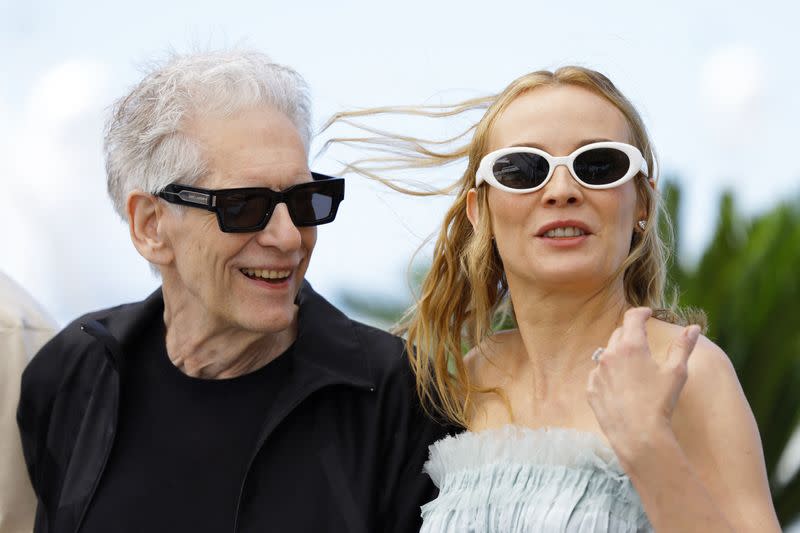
[597,353]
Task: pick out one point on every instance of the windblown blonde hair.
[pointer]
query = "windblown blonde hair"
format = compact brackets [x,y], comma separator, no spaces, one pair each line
[465,291]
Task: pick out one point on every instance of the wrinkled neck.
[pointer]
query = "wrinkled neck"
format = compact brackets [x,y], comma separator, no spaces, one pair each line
[201,345]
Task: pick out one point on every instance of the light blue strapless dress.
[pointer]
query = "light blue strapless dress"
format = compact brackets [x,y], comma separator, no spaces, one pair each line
[515,479]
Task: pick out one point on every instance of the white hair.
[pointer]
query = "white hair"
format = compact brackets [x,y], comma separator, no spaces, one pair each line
[145,146]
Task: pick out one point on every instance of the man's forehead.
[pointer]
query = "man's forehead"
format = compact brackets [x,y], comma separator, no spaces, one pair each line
[256,147]
[277,176]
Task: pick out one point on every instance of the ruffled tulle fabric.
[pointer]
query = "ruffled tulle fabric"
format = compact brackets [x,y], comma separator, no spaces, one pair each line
[516,479]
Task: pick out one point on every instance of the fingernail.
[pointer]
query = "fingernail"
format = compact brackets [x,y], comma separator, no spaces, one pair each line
[693,332]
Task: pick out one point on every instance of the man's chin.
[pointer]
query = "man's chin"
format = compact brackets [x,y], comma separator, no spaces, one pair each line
[269,322]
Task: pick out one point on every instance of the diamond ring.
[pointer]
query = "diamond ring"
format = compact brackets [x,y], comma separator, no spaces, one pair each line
[597,353]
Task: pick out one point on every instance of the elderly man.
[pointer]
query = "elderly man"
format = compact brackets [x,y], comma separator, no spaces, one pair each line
[234,398]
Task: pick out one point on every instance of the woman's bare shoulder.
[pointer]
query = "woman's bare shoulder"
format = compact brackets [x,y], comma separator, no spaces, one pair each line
[716,429]
[712,396]
[707,360]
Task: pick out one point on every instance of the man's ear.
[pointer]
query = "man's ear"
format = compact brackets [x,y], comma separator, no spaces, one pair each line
[473,213]
[146,221]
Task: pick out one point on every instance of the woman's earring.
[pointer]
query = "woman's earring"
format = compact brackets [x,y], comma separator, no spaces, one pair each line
[642,224]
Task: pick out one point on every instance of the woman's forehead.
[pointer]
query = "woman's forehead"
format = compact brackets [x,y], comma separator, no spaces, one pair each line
[558,119]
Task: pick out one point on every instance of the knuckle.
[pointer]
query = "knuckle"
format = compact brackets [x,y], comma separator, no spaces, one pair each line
[681,341]
[637,313]
[626,346]
[680,370]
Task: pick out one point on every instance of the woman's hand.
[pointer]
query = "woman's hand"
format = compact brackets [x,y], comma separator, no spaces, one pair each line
[633,396]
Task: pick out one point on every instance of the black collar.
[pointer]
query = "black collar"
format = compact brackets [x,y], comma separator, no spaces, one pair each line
[327,342]
[327,339]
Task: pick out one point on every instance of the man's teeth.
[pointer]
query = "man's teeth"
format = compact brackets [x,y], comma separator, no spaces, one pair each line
[266,274]
[565,232]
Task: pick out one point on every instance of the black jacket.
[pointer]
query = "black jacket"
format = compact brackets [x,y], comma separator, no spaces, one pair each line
[341,449]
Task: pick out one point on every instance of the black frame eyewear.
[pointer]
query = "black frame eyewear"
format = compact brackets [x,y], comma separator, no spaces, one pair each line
[250,209]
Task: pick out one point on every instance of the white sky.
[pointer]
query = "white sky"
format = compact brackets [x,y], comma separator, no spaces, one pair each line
[715,82]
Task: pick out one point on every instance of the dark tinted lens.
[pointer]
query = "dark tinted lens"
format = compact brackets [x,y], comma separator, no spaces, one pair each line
[322,204]
[240,211]
[310,206]
[601,166]
[521,171]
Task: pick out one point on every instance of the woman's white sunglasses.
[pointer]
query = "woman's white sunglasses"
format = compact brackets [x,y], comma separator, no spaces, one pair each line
[600,165]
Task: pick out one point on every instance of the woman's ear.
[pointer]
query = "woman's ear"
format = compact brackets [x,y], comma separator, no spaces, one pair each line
[146,219]
[642,213]
[473,213]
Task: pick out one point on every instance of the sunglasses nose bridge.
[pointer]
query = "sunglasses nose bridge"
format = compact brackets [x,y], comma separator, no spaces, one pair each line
[279,199]
[556,162]
[273,199]
[269,211]
[562,187]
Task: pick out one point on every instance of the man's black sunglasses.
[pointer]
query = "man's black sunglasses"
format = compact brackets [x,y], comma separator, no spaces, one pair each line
[249,209]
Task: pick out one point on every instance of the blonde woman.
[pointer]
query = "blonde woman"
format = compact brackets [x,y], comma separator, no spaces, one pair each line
[601,410]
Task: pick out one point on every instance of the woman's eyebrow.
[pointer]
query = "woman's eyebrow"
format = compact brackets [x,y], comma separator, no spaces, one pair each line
[529,145]
[576,146]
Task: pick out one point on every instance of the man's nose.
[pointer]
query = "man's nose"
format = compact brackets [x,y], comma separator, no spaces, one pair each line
[280,232]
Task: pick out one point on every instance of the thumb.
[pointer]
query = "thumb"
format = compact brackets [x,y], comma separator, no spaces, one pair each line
[681,347]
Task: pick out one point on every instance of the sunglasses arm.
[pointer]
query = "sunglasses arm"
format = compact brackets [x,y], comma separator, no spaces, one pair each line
[191,198]
[644,170]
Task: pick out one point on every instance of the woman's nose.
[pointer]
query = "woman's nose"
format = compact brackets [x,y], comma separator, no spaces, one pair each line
[562,189]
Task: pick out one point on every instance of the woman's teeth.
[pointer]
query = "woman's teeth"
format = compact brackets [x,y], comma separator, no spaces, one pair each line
[266,274]
[564,232]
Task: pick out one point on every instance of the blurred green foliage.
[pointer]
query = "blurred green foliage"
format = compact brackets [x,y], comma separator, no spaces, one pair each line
[747,280]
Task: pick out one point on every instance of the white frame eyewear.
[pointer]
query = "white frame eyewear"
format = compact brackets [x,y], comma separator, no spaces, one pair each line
[485,173]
